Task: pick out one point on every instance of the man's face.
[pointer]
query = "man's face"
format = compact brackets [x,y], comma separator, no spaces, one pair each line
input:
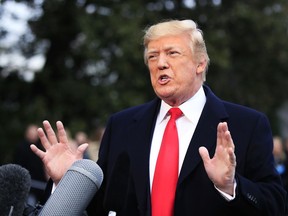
[175,74]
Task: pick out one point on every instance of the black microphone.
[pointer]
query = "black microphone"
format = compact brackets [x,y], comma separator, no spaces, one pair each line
[75,190]
[15,183]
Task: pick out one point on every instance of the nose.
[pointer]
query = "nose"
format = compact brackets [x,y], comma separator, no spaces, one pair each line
[162,62]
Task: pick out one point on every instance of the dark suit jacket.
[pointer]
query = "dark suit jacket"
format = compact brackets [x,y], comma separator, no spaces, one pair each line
[124,158]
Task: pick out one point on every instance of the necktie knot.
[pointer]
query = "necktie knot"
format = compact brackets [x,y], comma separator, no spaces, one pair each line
[175,113]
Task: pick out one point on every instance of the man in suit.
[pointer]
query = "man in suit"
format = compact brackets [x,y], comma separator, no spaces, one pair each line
[225,161]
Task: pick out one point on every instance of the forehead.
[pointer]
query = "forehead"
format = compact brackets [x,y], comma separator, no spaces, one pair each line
[180,41]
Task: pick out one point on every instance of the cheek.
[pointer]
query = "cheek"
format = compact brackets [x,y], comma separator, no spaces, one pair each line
[187,77]
[190,71]
[152,72]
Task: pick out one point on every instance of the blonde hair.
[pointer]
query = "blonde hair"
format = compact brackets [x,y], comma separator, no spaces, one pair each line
[177,27]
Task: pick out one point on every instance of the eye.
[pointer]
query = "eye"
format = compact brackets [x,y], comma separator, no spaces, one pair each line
[173,53]
[152,56]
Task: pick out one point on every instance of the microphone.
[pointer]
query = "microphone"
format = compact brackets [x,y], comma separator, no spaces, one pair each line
[75,190]
[15,183]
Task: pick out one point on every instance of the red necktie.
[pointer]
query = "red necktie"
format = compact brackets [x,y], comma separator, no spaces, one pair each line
[166,171]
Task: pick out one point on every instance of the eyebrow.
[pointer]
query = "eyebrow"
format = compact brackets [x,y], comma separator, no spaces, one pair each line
[169,47]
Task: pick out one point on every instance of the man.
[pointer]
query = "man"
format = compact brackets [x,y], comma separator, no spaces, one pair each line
[221,171]
[24,157]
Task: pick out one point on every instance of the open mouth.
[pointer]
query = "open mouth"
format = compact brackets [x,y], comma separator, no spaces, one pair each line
[163,79]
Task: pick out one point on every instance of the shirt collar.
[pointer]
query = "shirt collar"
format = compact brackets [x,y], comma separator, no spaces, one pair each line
[192,108]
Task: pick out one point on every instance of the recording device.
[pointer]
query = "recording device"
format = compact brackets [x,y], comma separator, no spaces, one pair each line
[15,183]
[75,190]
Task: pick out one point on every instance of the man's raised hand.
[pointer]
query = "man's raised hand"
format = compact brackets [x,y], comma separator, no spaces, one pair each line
[59,154]
[221,167]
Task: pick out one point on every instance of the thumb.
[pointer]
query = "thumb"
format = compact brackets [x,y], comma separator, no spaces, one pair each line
[204,154]
[81,149]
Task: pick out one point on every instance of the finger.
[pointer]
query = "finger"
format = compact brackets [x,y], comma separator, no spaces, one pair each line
[37,151]
[44,141]
[204,154]
[232,157]
[81,149]
[229,140]
[224,126]
[61,132]
[50,133]
[220,129]
[224,135]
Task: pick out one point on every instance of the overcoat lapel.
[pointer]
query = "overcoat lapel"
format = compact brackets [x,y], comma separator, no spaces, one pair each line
[142,128]
[141,132]
[205,133]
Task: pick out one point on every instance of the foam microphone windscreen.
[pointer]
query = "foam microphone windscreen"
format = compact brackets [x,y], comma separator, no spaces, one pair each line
[75,190]
[15,183]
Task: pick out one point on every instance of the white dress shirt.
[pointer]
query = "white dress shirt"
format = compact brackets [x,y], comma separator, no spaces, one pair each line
[186,125]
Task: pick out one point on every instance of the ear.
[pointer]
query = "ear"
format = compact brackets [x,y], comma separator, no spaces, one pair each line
[201,65]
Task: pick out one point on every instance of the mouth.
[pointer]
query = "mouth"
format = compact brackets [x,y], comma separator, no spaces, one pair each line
[163,79]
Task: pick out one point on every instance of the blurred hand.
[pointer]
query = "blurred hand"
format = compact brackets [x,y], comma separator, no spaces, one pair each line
[59,155]
[221,168]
